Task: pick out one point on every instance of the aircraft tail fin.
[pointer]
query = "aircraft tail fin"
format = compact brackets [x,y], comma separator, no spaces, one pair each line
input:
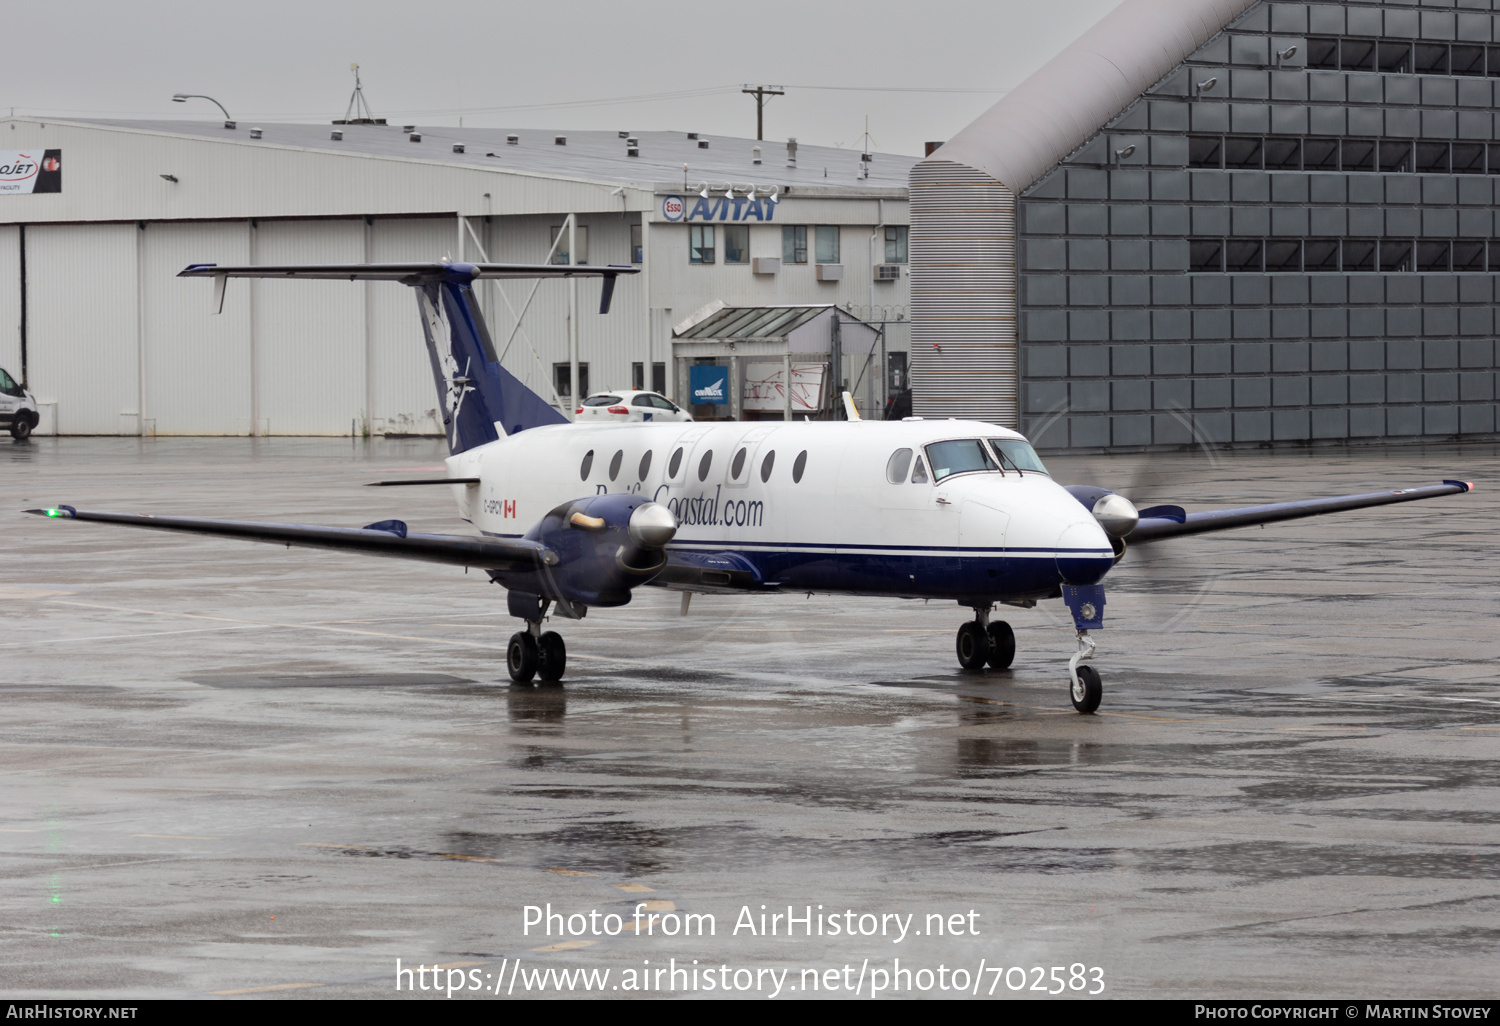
[480,399]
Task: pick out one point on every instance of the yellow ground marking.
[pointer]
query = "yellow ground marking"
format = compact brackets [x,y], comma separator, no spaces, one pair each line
[179,837]
[263,990]
[658,906]
[1322,728]
[569,872]
[1495,727]
[324,844]
[635,888]
[458,965]
[8,831]
[567,946]
[464,858]
[17,592]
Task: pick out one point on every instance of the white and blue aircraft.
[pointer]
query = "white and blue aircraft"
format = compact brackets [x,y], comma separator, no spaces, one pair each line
[573,516]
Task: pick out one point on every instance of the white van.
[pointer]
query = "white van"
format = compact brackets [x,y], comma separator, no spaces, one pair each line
[17,407]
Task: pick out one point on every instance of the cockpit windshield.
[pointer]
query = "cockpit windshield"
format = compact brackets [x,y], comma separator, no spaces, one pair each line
[1016,454]
[961,456]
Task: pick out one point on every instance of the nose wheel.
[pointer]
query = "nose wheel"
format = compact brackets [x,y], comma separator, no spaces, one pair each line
[1086,690]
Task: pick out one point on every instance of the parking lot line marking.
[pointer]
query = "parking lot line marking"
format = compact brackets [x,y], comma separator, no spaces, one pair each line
[325,844]
[567,946]
[119,637]
[465,858]
[458,965]
[569,872]
[1322,728]
[179,837]
[634,888]
[264,990]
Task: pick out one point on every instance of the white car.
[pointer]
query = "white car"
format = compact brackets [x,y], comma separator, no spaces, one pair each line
[630,404]
[17,408]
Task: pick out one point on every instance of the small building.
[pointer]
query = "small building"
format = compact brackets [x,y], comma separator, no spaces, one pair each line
[95,321]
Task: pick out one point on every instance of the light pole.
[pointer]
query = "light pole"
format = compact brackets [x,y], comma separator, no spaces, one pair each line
[185,97]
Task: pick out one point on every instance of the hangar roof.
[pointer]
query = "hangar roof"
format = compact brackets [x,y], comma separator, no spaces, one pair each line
[594,156]
[1072,96]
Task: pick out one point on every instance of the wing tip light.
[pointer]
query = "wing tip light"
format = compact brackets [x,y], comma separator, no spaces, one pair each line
[54,511]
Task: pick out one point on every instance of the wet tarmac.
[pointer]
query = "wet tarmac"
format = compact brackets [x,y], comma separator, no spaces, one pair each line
[236,769]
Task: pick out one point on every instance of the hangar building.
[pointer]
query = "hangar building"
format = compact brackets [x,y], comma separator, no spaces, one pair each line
[1251,222]
[111,342]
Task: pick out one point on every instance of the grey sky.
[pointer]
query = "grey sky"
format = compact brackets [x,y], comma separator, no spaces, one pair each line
[432,63]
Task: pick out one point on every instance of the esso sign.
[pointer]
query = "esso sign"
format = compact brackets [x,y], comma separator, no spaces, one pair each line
[673,207]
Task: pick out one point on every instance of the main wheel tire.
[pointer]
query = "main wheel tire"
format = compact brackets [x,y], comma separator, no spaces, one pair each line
[1088,691]
[20,428]
[1002,645]
[552,656]
[521,657]
[973,646]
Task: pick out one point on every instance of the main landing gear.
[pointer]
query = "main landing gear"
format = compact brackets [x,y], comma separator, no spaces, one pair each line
[532,653]
[981,641]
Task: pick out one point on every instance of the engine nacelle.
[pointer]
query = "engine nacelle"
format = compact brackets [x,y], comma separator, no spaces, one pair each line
[600,549]
[1116,514]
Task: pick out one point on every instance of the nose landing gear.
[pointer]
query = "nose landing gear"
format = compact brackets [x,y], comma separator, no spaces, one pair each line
[979,641]
[532,653]
[1087,690]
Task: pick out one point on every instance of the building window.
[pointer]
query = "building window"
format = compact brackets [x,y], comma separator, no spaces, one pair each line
[1395,254]
[1243,153]
[1359,254]
[700,244]
[1206,254]
[794,243]
[737,244]
[1395,156]
[1243,255]
[658,378]
[637,250]
[1205,151]
[1321,255]
[895,243]
[561,255]
[562,380]
[1283,154]
[828,244]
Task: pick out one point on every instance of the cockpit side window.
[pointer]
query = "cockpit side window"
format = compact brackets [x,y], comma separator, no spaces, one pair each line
[1016,454]
[900,463]
[919,472]
[960,456]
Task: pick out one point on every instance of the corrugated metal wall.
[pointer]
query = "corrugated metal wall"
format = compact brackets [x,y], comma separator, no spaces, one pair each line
[963,294]
[401,396]
[10,299]
[82,325]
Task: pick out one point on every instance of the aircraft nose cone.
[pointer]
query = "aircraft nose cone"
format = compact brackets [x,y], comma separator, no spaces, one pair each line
[1083,554]
[652,525]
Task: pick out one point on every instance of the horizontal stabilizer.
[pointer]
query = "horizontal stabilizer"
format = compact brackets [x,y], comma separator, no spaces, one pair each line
[381,539]
[1155,524]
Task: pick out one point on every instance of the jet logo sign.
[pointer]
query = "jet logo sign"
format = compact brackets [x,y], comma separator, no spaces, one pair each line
[22,174]
[707,383]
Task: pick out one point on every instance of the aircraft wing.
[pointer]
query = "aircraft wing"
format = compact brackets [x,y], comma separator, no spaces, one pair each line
[1158,522]
[404,271]
[387,538]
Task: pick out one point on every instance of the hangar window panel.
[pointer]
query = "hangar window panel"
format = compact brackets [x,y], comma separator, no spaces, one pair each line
[1432,157]
[737,244]
[1357,54]
[637,248]
[1395,58]
[1494,248]
[1468,158]
[1431,255]
[1320,255]
[1244,255]
[895,243]
[1359,254]
[1396,255]
[560,239]
[1320,155]
[794,243]
[1206,254]
[1323,54]
[1431,59]
[1358,155]
[1494,149]
[701,244]
[1244,152]
[1467,60]
[1468,256]
[827,244]
[1284,255]
[1395,155]
[659,377]
[1492,64]
[562,380]
[1205,151]
[1283,154]
[897,466]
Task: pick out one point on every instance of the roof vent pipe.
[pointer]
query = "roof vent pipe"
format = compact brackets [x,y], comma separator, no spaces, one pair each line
[408,128]
[511,140]
[230,125]
[755,155]
[415,137]
[561,140]
[255,133]
[632,141]
[692,135]
[703,144]
[625,135]
[336,136]
[633,151]
[458,147]
[791,153]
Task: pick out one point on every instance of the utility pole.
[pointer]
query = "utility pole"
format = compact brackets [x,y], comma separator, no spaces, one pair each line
[760,93]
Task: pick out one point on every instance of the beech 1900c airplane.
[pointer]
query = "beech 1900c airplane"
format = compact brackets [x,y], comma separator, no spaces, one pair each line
[572,516]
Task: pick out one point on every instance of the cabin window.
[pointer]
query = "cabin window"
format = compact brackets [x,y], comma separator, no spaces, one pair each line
[588,465]
[961,456]
[900,463]
[798,466]
[614,464]
[675,464]
[766,465]
[1018,455]
[737,466]
[919,472]
[645,466]
[703,465]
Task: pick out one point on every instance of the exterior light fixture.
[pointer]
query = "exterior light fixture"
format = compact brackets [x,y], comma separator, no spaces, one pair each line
[1287,54]
[1207,84]
[171,178]
[1125,152]
[185,97]
[703,192]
